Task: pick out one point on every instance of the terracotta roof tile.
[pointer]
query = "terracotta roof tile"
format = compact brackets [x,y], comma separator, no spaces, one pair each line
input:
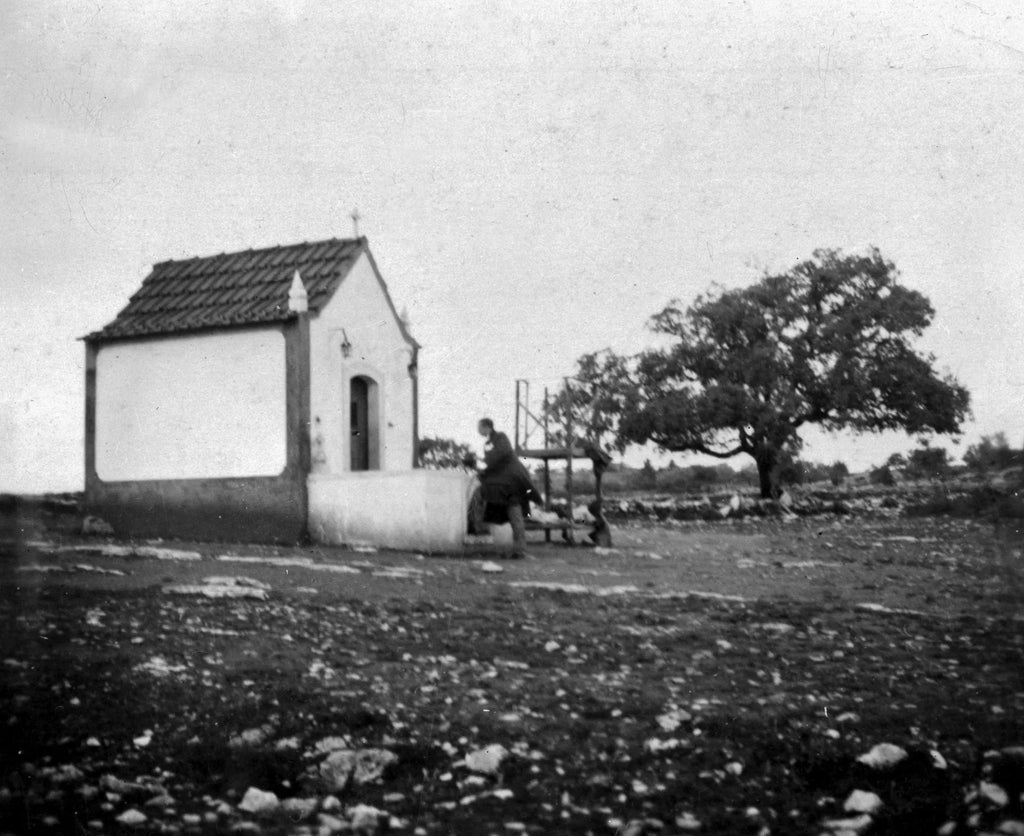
[233,288]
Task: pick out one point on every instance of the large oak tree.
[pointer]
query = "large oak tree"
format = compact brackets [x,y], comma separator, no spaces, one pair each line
[829,342]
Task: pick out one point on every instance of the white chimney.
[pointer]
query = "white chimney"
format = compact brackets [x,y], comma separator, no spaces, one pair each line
[298,301]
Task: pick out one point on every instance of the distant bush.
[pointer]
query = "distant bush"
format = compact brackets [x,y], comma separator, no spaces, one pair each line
[928,463]
[882,476]
[837,473]
[648,478]
[993,452]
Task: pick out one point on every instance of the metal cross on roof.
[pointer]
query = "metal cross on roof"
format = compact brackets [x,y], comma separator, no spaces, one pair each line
[355,220]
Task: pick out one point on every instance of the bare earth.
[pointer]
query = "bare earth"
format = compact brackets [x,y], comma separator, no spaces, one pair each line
[719,677]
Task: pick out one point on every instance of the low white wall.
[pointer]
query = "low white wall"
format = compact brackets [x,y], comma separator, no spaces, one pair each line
[192,407]
[418,510]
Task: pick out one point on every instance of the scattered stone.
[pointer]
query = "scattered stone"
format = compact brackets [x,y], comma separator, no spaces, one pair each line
[143,740]
[551,646]
[97,525]
[486,760]
[1011,827]
[883,756]
[132,817]
[158,666]
[363,817]
[490,567]
[337,769]
[371,763]
[655,745]
[688,822]
[734,768]
[993,794]
[299,808]
[332,743]
[938,761]
[671,720]
[854,825]
[779,628]
[258,802]
[251,737]
[222,587]
[332,823]
[862,801]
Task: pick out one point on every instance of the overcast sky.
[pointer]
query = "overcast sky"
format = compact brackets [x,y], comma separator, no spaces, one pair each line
[535,178]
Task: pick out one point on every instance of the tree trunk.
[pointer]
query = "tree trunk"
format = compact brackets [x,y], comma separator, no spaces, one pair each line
[767,477]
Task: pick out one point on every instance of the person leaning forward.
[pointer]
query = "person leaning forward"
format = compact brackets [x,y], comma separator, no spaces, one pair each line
[506,485]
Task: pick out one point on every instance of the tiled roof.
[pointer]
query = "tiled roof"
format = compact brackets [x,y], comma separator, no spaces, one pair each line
[233,288]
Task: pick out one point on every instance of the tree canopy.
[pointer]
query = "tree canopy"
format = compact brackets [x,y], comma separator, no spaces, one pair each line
[828,342]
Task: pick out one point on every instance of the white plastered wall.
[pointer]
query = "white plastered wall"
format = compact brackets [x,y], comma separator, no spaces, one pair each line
[359,310]
[421,510]
[190,407]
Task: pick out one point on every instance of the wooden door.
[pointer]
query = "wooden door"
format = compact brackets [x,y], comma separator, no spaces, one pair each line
[359,423]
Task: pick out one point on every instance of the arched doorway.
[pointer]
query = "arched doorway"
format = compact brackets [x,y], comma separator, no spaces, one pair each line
[364,424]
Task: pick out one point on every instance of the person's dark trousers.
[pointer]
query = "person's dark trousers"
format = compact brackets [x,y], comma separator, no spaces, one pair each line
[515,516]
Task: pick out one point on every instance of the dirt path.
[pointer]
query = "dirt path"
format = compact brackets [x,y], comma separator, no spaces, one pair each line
[937,567]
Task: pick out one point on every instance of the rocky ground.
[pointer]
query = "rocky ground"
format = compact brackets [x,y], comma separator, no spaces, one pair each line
[826,675]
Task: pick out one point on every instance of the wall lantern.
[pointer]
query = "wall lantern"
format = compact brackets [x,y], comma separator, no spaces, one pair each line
[346,346]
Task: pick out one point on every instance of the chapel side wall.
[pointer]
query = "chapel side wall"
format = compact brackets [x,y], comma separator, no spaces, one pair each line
[248,508]
[359,310]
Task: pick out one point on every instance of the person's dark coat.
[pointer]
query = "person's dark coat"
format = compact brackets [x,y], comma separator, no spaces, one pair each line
[505,480]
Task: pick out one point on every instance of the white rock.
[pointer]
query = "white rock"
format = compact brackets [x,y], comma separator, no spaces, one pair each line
[1011,827]
[96,525]
[486,760]
[131,817]
[938,761]
[337,769]
[551,646]
[734,768]
[257,801]
[688,822]
[490,567]
[856,824]
[332,824]
[671,720]
[331,744]
[371,763]
[299,808]
[655,745]
[364,817]
[862,801]
[994,794]
[883,756]
[250,737]
[143,739]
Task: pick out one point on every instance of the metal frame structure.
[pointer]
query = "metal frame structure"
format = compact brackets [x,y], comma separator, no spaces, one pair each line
[533,440]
